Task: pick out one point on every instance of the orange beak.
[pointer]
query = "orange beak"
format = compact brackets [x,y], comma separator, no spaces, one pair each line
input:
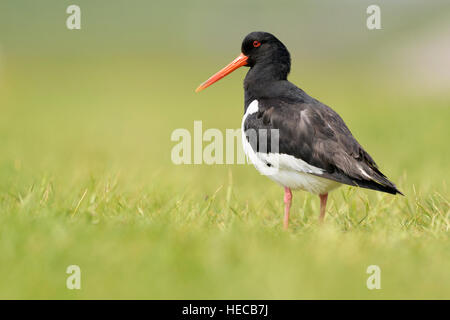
[233,65]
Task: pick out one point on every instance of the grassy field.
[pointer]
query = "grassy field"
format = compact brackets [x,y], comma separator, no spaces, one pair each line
[86,179]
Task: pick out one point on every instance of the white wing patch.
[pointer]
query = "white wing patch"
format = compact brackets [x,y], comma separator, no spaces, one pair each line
[364,173]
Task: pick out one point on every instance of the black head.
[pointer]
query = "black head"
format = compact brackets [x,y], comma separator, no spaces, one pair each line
[265,48]
[267,57]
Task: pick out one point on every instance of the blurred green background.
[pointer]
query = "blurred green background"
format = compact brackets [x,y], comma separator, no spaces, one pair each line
[85,171]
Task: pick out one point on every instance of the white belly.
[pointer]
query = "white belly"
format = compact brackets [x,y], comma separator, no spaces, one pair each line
[284,169]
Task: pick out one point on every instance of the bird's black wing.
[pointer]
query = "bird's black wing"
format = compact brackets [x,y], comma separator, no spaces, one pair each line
[311,131]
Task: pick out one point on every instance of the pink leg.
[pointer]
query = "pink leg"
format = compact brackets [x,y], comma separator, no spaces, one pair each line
[323,205]
[287,206]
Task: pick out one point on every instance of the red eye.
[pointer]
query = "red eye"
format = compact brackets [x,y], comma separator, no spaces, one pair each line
[256,44]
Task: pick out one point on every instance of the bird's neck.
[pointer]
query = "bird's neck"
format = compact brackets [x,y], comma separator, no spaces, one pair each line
[262,79]
[266,73]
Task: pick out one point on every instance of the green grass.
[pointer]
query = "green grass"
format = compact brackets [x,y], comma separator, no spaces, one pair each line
[86,179]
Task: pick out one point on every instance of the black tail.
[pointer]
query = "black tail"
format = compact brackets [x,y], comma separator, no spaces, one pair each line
[379,182]
[388,187]
[380,179]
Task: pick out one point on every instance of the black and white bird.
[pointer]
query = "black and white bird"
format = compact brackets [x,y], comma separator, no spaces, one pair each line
[314,151]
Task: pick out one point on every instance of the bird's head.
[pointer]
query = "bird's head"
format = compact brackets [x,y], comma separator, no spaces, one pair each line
[258,49]
[264,48]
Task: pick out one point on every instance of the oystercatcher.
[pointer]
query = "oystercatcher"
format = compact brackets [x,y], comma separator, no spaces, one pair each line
[315,150]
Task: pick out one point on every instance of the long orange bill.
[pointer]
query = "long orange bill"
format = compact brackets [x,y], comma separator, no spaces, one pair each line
[233,65]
